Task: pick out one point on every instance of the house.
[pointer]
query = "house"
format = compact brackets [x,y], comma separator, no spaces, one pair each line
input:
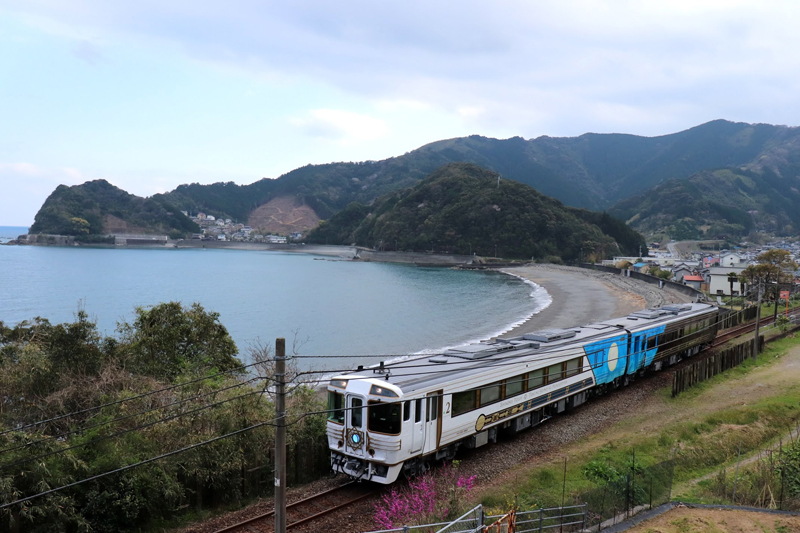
[201,216]
[680,270]
[296,236]
[638,267]
[718,280]
[210,218]
[694,281]
[276,239]
[730,259]
[222,237]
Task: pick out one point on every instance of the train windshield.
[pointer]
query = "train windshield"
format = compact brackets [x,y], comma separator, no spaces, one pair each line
[384,417]
[336,407]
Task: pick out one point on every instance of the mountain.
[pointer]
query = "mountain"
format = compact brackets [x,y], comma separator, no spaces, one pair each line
[716,204]
[594,171]
[97,208]
[463,208]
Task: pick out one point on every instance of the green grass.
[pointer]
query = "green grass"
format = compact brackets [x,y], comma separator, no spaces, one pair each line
[700,446]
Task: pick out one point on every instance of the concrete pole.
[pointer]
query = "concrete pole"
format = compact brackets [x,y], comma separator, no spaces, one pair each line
[280,435]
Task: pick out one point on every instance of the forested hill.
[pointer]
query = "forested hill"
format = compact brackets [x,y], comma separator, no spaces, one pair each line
[462,208]
[593,171]
[97,208]
[723,203]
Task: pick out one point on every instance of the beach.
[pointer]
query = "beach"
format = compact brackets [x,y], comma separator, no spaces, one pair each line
[582,296]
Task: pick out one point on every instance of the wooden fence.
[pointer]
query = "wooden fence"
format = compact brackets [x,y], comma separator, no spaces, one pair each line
[730,319]
[711,365]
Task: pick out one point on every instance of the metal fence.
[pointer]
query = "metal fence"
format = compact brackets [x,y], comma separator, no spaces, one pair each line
[563,519]
[570,518]
[635,490]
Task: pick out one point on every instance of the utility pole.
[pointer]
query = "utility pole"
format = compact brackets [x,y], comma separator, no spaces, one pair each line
[758,319]
[280,435]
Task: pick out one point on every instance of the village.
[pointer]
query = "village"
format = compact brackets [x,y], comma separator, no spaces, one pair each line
[715,273]
[219,229]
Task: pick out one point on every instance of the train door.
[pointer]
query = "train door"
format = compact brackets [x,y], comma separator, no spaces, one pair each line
[355,425]
[433,421]
[637,355]
[418,427]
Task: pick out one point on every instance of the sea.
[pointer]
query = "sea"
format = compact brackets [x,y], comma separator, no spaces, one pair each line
[349,312]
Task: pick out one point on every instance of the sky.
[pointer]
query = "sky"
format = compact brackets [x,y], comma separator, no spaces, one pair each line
[149,94]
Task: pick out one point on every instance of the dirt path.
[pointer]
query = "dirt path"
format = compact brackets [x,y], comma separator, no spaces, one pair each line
[693,520]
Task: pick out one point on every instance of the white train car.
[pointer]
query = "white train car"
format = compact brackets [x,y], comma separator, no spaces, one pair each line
[396,418]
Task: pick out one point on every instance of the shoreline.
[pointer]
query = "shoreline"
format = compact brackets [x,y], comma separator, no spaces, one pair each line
[581,296]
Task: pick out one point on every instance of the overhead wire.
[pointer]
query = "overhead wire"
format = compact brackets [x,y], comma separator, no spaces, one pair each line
[136,397]
[138,464]
[192,446]
[126,417]
[123,432]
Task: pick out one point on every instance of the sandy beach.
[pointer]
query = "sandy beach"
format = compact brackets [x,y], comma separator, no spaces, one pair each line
[582,296]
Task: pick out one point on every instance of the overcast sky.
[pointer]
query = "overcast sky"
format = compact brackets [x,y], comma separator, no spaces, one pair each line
[149,94]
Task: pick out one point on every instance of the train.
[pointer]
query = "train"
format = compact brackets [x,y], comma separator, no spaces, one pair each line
[398,418]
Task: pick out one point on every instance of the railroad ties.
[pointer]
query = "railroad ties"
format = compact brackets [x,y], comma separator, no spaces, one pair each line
[307,510]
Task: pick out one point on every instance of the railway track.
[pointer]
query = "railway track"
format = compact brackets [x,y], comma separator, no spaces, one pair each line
[738,331]
[306,510]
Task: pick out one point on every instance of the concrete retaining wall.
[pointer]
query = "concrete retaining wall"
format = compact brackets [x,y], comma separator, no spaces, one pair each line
[685,289]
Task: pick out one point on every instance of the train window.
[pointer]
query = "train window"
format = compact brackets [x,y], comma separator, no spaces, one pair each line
[463,402]
[651,343]
[555,372]
[418,411]
[407,411]
[336,407]
[490,394]
[384,417]
[574,366]
[433,409]
[535,379]
[514,386]
[356,412]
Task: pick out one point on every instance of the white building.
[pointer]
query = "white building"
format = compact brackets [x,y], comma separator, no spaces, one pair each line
[276,239]
[729,259]
[718,280]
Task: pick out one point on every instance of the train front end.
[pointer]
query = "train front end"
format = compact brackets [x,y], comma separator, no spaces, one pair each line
[364,428]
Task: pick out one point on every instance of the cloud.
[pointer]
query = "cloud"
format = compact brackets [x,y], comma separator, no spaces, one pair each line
[341,126]
[528,65]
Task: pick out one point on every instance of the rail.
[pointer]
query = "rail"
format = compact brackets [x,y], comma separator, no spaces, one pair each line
[260,522]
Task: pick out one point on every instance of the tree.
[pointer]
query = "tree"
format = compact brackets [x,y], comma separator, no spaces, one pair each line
[732,278]
[168,339]
[80,226]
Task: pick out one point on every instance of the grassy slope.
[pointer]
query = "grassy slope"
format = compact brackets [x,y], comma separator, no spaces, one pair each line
[755,403]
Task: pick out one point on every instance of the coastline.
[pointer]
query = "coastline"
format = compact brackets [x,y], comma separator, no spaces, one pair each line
[580,296]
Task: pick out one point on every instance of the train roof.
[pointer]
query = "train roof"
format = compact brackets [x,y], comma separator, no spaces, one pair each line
[427,371]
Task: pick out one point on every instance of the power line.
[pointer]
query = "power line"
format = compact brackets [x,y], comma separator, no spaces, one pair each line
[140,463]
[126,417]
[116,402]
[123,432]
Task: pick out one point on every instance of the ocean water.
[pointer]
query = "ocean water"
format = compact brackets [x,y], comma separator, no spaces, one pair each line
[363,311]
[11,232]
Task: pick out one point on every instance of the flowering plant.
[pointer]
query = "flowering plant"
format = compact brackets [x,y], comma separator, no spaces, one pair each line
[426,499]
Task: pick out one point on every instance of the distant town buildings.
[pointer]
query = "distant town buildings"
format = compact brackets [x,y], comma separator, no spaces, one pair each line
[220,229]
